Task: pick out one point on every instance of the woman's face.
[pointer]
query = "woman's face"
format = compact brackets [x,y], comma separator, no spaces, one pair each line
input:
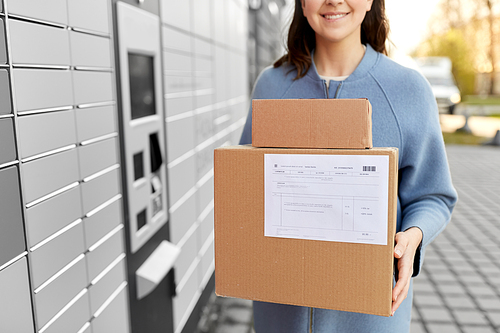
[336,20]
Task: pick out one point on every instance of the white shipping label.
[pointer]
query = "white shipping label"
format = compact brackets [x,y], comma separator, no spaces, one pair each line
[340,198]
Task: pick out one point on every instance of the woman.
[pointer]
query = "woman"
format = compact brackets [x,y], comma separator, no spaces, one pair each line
[336,50]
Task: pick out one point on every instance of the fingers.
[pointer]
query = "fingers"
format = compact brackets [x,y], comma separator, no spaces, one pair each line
[401,244]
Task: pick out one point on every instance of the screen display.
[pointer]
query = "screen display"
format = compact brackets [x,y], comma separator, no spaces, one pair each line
[142,85]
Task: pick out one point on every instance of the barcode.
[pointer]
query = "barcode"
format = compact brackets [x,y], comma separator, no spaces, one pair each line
[369,168]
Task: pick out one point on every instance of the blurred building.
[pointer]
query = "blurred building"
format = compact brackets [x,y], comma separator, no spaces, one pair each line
[109,114]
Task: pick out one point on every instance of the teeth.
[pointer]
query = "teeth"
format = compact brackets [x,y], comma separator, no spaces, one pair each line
[332,17]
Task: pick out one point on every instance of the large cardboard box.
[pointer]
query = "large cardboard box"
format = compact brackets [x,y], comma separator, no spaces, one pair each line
[255,186]
[312,123]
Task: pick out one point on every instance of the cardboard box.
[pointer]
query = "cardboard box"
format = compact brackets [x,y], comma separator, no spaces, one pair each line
[346,276]
[312,123]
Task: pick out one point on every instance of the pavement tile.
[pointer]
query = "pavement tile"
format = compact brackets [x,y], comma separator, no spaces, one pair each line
[238,315]
[474,317]
[459,302]
[481,290]
[420,288]
[443,328]
[451,289]
[494,317]
[489,303]
[427,300]
[435,315]
[417,327]
[477,329]
[471,279]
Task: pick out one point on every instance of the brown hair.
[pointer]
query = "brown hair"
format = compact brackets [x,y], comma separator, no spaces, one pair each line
[302,40]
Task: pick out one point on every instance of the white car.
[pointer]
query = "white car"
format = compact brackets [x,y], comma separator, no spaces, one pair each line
[437,70]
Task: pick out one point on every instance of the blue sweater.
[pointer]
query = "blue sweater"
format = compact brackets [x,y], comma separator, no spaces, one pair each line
[404,115]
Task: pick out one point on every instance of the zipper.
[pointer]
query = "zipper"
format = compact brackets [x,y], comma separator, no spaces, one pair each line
[311,320]
[338,90]
[326,89]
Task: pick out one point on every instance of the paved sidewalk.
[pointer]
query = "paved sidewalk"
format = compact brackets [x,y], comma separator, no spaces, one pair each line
[459,287]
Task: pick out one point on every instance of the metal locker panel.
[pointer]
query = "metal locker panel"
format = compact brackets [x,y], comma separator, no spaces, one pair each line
[74,318]
[177,106]
[177,62]
[98,156]
[3,47]
[103,288]
[15,300]
[175,39]
[202,48]
[90,51]
[114,318]
[38,44]
[178,84]
[102,222]
[5,101]
[52,215]
[51,299]
[188,254]
[184,299]
[7,141]
[12,241]
[41,133]
[204,83]
[203,66]
[220,21]
[40,89]
[205,266]
[180,17]
[180,138]
[47,10]
[205,195]
[104,254]
[202,18]
[204,127]
[182,219]
[93,87]
[207,225]
[182,179]
[1,7]
[48,259]
[90,15]
[205,159]
[98,190]
[95,122]
[46,175]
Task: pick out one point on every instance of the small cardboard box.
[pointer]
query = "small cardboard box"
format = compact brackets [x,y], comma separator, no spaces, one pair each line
[312,123]
[348,276]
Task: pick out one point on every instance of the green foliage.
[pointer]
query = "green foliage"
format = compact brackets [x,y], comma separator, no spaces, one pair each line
[454,45]
[459,138]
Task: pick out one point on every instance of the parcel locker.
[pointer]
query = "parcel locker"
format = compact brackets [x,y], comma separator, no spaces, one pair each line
[3,44]
[150,256]
[15,300]
[5,100]
[54,11]
[12,242]
[7,141]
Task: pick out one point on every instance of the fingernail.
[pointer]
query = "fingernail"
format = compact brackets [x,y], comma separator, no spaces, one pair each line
[398,252]
[392,315]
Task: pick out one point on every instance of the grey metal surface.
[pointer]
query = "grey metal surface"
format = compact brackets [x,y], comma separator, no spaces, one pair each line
[74,318]
[97,156]
[41,133]
[15,300]
[102,222]
[101,291]
[93,87]
[52,215]
[90,51]
[99,258]
[7,141]
[50,10]
[3,44]
[100,189]
[5,100]
[37,44]
[41,89]
[91,15]
[95,122]
[11,222]
[115,317]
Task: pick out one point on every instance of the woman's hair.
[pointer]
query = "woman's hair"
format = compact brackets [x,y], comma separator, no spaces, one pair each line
[302,40]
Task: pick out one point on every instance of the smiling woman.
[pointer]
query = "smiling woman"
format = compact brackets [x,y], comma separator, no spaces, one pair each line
[336,49]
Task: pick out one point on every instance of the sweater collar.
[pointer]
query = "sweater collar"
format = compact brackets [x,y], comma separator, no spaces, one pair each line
[368,61]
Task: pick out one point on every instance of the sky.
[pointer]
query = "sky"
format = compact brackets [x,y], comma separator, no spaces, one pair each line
[408,21]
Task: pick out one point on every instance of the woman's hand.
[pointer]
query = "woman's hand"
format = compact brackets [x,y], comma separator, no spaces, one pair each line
[407,243]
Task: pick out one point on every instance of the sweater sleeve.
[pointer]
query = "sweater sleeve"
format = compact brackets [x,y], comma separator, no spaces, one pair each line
[426,193]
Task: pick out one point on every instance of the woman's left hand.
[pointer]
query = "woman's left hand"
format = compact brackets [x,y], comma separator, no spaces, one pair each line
[407,243]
